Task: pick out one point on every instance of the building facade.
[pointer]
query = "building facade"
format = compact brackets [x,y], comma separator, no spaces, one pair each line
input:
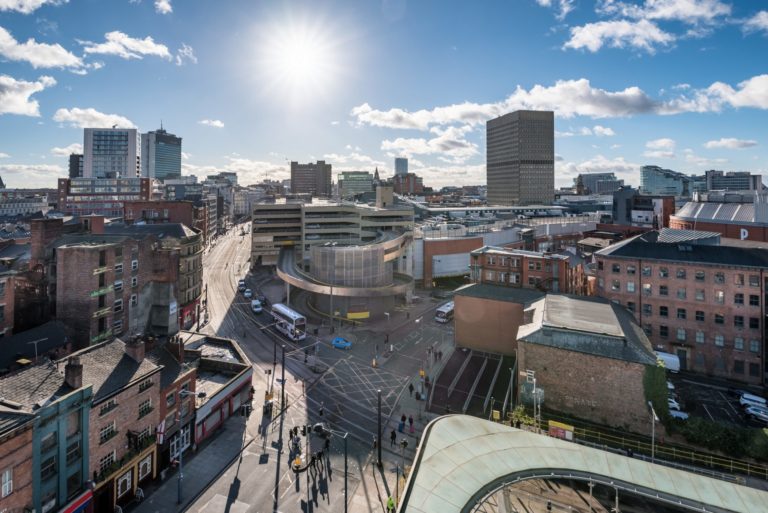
[76,165]
[101,196]
[657,181]
[163,212]
[111,153]
[160,155]
[734,215]
[408,184]
[352,183]
[597,183]
[694,295]
[16,460]
[314,179]
[401,166]
[520,158]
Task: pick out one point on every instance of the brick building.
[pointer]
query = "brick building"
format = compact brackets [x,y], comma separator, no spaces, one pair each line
[15,459]
[695,295]
[162,212]
[409,183]
[549,272]
[101,196]
[7,299]
[736,215]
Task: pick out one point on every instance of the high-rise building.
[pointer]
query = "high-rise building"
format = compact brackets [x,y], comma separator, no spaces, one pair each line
[111,153]
[599,183]
[160,155]
[352,183]
[733,181]
[655,180]
[401,166]
[520,158]
[314,179]
[75,165]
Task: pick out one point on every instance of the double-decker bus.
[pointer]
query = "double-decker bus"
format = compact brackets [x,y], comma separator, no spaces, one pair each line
[445,312]
[289,322]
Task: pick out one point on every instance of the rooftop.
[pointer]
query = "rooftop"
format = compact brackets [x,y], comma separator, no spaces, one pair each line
[160,230]
[50,335]
[494,250]
[499,293]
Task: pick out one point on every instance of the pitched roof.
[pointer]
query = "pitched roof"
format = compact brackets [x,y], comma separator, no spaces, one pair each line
[50,336]
[160,230]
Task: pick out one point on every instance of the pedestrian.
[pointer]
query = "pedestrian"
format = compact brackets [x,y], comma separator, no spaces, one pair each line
[410,422]
[322,409]
[390,505]
[401,427]
[410,389]
[392,438]
[327,446]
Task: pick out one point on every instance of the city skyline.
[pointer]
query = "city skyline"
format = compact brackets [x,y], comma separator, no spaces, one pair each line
[252,87]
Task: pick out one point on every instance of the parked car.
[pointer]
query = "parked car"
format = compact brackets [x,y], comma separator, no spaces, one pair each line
[670,385]
[341,343]
[673,405]
[321,429]
[241,285]
[248,293]
[747,400]
[757,413]
[256,306]
[677,414]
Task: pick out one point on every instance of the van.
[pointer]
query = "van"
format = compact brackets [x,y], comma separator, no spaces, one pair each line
[752,400]
[256,306]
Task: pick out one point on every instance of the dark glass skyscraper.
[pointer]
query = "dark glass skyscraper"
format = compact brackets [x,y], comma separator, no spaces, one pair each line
[160,155]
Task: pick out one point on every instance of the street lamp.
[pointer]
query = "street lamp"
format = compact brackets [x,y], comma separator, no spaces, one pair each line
[654,420]
[182,394]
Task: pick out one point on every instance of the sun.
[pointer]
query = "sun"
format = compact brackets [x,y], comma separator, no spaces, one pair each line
[299,61]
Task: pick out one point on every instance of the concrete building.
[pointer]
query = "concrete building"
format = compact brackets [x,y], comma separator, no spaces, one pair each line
[695,295]
[352,183]
[520,158]
[734,215]
[632,208]
[160,155]
[597,183]
[101,196]
[408,184]
[314,179]
[733,181]
[111,153]
[657,181]
[76,165]
[401,166]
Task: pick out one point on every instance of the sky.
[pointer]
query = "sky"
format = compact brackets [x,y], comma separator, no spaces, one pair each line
[252,85]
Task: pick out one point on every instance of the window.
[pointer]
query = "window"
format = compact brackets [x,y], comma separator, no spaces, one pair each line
[600,265]
[134,299]
[738,366]
[754,346]
[48,468]
[754,280]
[738,299]
[631,306]
[107,432]
[647,289]
[738,279]
[738,343]
[74,482]
[663,331]
[502,277]
[118,285]
[615,268]
[118,306]
[145,407]
[646,270]
[7,482]
[719,297]
[490,276]
[754,370]
[719,319]
[681,313]
[117,327]
[754,323]
[630,286]
[663,272]
[118,268]
[681,334]
[124,483]
[170,399]
[700,276]
[145,467]
[738,321]
[663,290]
[134,282]
[600,283]
[107,407]
[73,452]
[700,315]
[48,442]
[134,265]
[615,285]
[515,278]
[699,337]
[532,280]
[699,294]
[647,309]
[680,274]
[631,270]
[681,293]
[719,278]
[754,300]
[664,311]
[2,288]
[719,340]
[648,329]
[144,385]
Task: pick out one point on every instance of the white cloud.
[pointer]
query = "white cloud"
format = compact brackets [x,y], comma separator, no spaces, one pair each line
[563,7]
[452,174]
[67,150]
[185,54]
[641,34]
[215,123]
[27,6]
[730,143]
[692,158]
[3,155]
[757,23]
[687,11]
[665,143]
[450,141]
[355,157]
[31,175]
[597,130]
[334,123]
[659,154]
[91,118]
[39,55]
[565,172]
[603,131]
[163,6]
[185,155]
[16,95]
[126,47]
[248,170]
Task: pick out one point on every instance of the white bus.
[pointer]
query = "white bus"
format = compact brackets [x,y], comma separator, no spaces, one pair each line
[445,312]
[289,322]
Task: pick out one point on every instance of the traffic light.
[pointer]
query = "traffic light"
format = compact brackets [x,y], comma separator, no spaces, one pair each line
[303,430]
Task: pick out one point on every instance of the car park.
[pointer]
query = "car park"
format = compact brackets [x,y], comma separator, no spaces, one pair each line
[248,293]
[341,343]
[677,414]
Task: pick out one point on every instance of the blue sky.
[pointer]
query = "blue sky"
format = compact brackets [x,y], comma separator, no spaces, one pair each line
[251,85]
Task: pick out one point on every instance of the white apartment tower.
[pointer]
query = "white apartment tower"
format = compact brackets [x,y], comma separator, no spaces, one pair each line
[111,153]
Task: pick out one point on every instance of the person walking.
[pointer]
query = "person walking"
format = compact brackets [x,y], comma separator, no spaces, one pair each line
[410,422]
[390,505]
[392,438]
[410,389]
[401,427]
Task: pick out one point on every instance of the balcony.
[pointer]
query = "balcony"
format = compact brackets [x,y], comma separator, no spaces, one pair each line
[101,337]
[102,291]
[102,312]
[100,270]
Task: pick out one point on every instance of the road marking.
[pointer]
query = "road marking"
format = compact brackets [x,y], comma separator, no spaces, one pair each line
[707,410]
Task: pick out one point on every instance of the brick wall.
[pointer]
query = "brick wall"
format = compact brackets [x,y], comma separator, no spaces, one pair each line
[16,452]
[446,247]
[486,324]
[7,301]
[588,387]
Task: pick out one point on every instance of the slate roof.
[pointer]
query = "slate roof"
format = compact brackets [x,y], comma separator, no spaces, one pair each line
[51,335]
[499,293]
[171,369]
[160,230]
[647,246]
[10,420]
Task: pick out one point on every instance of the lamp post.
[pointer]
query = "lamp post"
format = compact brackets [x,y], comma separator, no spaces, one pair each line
[654,420]
[183,393]
[379,444]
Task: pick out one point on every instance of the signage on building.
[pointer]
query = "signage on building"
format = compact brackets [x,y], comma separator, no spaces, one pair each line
[743,233]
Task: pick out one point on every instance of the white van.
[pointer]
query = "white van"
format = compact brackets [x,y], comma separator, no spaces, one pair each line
[256,306]
[748,400]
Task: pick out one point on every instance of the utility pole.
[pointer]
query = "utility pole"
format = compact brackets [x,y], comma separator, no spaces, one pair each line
[282,386]
[379,444]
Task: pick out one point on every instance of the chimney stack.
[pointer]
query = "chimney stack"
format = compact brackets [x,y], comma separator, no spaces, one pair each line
[176,348]
[73,372]
[134,348]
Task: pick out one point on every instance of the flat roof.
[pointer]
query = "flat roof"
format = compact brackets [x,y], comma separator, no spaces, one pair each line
[461,459]
[500,293]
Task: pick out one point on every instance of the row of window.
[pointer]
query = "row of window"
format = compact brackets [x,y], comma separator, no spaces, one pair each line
[681,274]
[700,315]
[533,265]
[681,293]
[701,338]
